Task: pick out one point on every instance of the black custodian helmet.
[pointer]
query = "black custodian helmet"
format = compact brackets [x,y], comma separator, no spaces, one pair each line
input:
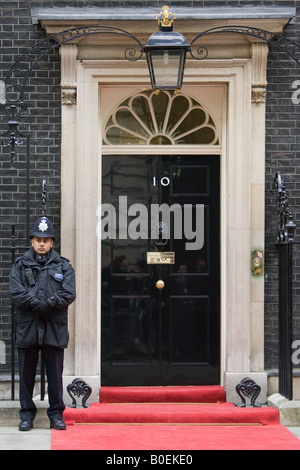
[42,228]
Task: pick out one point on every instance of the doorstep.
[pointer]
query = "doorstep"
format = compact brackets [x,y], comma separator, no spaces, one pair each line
[289,410]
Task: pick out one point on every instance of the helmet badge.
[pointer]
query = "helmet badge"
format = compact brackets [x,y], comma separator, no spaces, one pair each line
[43,226]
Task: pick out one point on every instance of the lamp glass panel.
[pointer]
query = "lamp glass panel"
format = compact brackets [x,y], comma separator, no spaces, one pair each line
[167,67]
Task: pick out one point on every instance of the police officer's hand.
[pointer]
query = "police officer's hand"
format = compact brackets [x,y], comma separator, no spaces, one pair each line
[33,302]
[42,309]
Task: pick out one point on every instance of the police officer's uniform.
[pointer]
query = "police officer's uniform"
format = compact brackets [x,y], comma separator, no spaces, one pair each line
[42,288]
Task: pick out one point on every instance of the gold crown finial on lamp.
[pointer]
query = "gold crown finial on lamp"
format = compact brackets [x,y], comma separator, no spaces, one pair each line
[164,18]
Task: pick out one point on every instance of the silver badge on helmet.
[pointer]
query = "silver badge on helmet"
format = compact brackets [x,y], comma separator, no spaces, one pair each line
[43,226]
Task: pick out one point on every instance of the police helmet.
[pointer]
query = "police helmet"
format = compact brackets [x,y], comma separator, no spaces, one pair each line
[42,228]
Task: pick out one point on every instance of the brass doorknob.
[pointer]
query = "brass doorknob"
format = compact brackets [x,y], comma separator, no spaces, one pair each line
[160,284]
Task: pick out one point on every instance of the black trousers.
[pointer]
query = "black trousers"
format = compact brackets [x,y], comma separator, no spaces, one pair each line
[53,359]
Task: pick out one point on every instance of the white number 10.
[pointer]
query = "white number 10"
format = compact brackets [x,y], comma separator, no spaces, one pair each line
[165,181]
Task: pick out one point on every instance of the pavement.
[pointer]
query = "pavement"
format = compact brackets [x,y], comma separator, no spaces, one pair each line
[40,438]
[36,439]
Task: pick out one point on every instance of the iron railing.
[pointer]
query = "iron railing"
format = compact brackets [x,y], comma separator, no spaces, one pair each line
[285,241]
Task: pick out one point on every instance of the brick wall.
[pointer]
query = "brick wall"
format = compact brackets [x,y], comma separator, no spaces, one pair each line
[282,147]
[20,187]
[282,153]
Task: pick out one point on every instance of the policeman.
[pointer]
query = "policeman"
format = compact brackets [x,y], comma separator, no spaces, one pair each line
[42,286]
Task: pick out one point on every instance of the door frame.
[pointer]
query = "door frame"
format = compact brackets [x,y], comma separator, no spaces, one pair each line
[202,372]
[242,206]
[218,113]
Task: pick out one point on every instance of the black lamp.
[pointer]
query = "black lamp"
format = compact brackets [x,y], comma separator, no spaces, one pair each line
[165,52]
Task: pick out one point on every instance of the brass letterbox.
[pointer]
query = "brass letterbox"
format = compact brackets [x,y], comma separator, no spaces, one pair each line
[163,257]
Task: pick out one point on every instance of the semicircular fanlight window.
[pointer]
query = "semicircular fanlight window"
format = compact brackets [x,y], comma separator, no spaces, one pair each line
[164,119]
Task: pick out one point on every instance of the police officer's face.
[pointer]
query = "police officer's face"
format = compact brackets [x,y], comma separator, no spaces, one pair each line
[42,245]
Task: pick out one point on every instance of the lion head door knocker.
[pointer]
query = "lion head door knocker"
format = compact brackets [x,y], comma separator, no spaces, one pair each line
[161,231]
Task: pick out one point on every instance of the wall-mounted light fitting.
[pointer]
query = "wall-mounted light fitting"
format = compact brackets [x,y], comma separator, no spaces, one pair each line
[166,51]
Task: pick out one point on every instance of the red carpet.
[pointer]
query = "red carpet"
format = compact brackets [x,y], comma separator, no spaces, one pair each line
[204,394]
[171,418]
[162,413]
[172,437]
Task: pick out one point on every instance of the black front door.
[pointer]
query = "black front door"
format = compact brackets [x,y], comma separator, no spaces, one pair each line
[165,333]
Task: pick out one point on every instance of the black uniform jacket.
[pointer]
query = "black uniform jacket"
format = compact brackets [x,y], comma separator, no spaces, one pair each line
[54,282]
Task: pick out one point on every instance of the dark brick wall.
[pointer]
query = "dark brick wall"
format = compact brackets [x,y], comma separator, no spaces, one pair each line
[282,153]
[20,187]
[282,147]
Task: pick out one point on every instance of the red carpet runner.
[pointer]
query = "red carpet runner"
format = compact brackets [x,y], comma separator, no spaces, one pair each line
[171,418]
